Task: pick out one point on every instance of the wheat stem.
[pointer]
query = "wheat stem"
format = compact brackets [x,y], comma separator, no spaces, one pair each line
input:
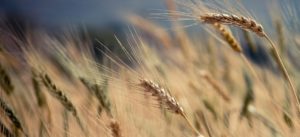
[284,71]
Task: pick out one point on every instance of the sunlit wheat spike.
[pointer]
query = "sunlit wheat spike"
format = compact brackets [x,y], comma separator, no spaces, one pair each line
[11,115]
[165,98]
[5,131]
[5,81]
[58,94]
[162,95]
[62,98]
[240,21]
[228,37]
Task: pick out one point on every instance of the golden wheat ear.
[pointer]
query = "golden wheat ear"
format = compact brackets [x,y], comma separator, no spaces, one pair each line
[5,81]
[62,98]
[242,22]
[228,37]
[166,100]
[11,116]
[4,130]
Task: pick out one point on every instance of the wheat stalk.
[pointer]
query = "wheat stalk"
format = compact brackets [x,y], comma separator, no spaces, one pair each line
[234,44]
[166,100]
[214,83]
[154,30]
[62,98]
[100,92]
[251,25]
[5,81]
[5,131]
[66,123]
[58,94]
[264,119]
[11,115]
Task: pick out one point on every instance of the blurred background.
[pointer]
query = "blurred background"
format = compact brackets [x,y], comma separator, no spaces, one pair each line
[101,13]
[101,19]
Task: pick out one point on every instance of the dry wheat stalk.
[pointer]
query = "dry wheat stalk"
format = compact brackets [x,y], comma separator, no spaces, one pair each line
[66,123]
[62,98]
[100,92]
[58,94]
[281,39]
[152,29]
[11,115]
[42,130]
[230,39]
[5,131]
[5,81]
[214,83]
[166,100]
[252,25]
[264,119]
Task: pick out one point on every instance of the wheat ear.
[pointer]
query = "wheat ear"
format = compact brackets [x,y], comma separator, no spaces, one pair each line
[58,94]
[242,22]
[5,81]
[11,115]
[234,44]
[252,25]
[228,37]
[62,98]
[5,131]
[166,100]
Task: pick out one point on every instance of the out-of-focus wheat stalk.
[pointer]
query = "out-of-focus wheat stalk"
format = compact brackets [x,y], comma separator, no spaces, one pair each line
[151,28]
[5,131]
[5,81]
[11,116]
[220,90]
[62,98]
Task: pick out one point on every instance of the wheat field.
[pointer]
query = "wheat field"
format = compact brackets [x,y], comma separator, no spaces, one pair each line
[233,75]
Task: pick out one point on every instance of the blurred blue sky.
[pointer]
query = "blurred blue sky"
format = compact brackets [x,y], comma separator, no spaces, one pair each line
[93,12]
[100,12]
